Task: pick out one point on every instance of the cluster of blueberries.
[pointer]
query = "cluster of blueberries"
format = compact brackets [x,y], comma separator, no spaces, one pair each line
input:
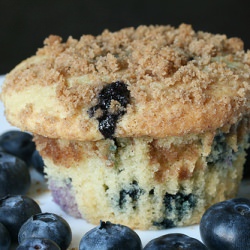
[22,221]
[225,225]
[17,153]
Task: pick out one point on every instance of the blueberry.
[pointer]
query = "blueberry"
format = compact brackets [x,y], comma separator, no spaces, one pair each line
[109,236]
[18,143]
[179,202]
[15,210]
[115,91]
[176,205]
[221,152]
[175,241]
[38,243]
[130,194]
[164,224]
[14,175]
[107,125]
[226,225]
[49,226]
[37,162]
[5,240]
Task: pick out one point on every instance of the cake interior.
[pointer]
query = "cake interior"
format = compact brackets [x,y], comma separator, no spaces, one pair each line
[146,183]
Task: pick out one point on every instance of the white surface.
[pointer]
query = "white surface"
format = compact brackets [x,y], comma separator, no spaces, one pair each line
[79,226]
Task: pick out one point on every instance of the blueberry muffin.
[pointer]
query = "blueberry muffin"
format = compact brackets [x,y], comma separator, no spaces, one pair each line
[145,126]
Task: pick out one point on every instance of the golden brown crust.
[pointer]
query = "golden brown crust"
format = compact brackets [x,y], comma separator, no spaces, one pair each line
[180,82]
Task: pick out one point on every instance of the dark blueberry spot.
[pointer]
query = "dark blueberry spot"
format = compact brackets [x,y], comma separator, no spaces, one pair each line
[221,152]
[107,124]
[165,223]
[130,194]
[181,203]
[152,192]
[116,91]
[177,205]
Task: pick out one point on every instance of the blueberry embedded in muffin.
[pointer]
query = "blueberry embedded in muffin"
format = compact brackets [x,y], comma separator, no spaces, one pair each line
[112,102]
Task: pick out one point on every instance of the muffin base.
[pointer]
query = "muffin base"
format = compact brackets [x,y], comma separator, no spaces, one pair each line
[145,183]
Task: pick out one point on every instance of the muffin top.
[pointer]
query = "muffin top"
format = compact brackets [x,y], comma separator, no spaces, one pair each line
[152,81]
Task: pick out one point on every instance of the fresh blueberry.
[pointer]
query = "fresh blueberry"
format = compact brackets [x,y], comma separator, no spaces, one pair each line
[175,241]
[37,162]
[5,240]
[15,210]
[109,236]
[226,225]
[18,143]
[49,226]
[38,243]
[14,175]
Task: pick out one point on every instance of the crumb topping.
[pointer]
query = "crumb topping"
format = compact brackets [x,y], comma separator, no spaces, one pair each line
[163,66]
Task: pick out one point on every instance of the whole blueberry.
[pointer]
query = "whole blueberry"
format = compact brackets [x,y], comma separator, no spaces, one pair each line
[37,162]
[5,240]
[14,175]
[38,243]
[18,143]
[226,225]
[175,241]
[49,226]
[110,236]
[15,210]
